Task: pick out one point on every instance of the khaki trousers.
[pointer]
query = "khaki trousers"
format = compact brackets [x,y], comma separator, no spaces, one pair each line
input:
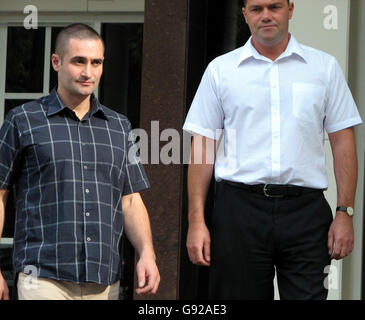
[30,288]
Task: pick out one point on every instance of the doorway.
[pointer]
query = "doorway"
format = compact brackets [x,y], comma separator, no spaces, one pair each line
[215,28]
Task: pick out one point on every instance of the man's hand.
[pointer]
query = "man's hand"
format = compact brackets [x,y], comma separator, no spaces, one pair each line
[341,236]
[138,230]
[4,290]
[148,276]
[198,244]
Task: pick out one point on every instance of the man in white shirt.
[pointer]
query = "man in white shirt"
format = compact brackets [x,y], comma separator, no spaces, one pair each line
[273,98]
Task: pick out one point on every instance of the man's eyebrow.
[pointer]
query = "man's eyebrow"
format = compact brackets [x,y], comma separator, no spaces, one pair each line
[84,58]
[254,6]
[78,58]
[275,4]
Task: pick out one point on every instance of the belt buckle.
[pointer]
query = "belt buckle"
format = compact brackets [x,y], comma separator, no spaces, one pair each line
[269,195]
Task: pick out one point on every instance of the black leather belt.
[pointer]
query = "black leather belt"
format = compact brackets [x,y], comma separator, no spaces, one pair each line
[274,190]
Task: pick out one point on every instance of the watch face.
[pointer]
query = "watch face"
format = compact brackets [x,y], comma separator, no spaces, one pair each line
[350,211]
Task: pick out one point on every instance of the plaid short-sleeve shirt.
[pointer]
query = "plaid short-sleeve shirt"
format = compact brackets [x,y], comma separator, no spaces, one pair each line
[69,177]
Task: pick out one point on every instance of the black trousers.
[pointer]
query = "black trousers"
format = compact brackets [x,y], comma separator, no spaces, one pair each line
[252,235]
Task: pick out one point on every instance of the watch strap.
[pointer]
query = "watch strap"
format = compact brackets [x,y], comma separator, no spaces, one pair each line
[348,210]
[341,208]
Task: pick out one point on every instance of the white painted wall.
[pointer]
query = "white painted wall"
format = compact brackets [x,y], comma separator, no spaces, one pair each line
[308,26]
[75,5]
[69,11]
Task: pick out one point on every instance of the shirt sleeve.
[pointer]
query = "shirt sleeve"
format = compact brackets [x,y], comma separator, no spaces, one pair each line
[206,116]
[9,151]
[134,176]
[340,111]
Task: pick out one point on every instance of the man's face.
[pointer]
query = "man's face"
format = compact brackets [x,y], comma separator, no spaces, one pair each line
[80,68]
[268,20]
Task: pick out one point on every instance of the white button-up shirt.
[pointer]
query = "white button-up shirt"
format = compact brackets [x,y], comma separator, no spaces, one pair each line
[273,114]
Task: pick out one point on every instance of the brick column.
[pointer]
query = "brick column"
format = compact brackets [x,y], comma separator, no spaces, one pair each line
[164,100]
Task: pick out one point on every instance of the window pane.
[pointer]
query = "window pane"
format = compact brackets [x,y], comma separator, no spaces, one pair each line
[25,60]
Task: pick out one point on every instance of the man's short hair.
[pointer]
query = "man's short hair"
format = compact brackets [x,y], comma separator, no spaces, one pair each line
[74,31]
[244,2]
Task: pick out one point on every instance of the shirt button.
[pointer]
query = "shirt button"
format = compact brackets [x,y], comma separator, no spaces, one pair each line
[87,214]
[83,144]
[88,239]
[87,190]
[85,167]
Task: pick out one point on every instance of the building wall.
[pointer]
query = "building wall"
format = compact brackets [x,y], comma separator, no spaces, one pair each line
[313,26]
[75,5]
[69,11]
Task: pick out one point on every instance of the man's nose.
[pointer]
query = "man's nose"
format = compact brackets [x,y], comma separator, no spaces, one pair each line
[86,71]
[266,15]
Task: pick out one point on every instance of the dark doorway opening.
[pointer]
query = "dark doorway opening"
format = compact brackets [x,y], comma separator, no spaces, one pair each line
[215,28]
[120,90]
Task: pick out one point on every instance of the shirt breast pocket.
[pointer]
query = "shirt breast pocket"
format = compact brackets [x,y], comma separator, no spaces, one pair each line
[308,102]
[37,152]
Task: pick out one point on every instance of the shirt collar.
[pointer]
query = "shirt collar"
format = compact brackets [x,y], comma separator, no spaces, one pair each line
[55,105]
[293,48]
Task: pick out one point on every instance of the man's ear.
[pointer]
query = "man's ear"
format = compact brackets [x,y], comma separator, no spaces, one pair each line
[56,62]
[291,9]
[244,13]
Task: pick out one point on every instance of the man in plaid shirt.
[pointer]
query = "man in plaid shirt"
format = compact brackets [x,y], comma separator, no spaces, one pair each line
[77,188]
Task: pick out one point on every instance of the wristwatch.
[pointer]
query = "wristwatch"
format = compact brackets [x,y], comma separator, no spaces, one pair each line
[348,210]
